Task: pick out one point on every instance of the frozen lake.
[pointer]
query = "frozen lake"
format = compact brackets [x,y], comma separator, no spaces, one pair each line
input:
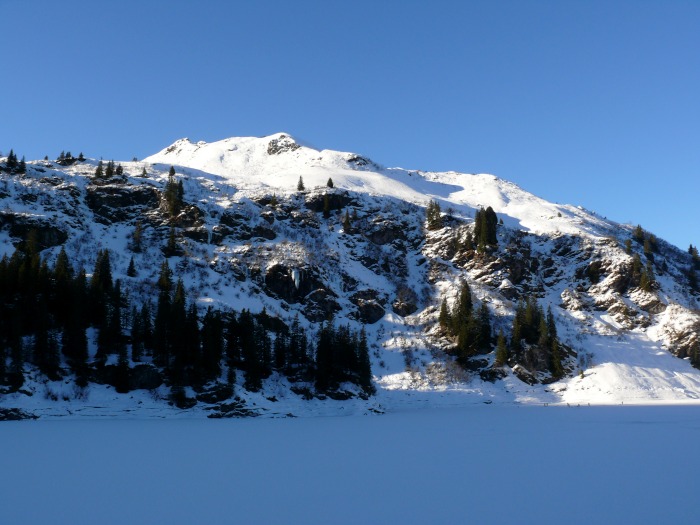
[480,464]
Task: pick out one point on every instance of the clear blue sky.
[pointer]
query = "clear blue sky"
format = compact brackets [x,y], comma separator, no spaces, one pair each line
[594,103]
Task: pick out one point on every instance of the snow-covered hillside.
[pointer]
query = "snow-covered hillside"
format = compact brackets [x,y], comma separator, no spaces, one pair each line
[353,246]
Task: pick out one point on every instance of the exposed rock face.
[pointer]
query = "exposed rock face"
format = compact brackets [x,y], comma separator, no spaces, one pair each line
[369,309]
[406,302]
[116,203]
[385,231]
[145,376]
[291,284]
[20,227]
[281,144]
[337,200]
[320,305]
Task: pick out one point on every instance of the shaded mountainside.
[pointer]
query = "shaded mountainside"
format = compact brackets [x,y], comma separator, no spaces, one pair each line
[281,279]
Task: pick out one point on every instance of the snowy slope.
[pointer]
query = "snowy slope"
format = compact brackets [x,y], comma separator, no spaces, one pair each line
[246,163]
[624,339]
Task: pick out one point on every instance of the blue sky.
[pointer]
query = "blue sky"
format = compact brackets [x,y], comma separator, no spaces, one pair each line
[594,103]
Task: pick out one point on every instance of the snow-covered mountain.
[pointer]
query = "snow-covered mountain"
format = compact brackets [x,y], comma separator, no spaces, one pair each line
[354,246]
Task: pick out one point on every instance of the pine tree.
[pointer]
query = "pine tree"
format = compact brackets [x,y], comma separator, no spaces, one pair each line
[300,184]
[173,194]
[364,372]
[136,335]
[109,170]
[638,234]
[556,367]
[11,162]
[347,225]
[22,168]
[329,183]
[501,350]
[326,207]
[433,216]
[444,317]
[463,310]
[171,248]
[212,344]
[131,270]
[99,171]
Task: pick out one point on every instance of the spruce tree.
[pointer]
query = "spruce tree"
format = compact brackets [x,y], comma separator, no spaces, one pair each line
[433,216]
[131,270]
[347,225]
[300,184]
[326,207]
[212,344]
[501,350]
[329,183]
[444,317]
[463,310]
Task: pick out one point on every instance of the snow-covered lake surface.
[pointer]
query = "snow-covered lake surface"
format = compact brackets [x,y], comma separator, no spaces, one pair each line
[477,464]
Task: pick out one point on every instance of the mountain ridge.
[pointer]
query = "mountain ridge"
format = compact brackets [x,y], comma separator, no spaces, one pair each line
[361,252]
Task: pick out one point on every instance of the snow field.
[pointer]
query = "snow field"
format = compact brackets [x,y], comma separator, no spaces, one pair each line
[482,464]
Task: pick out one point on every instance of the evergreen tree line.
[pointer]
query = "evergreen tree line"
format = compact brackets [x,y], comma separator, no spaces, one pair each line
[433,216]
[12,165]
[66,158]
[46,312]
[485,226]
[471,327]
[107,171]
[533,338]
[173,194]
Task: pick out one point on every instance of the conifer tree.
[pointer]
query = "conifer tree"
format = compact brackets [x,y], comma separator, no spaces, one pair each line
[347,225]
[212,344]
[444,317]
[300,184]
[501,350]
[329,183]
[463,310]
[556,367]
[131,270]
[326,207]
[99,170]
[433,216]
[137,346]
[638,234]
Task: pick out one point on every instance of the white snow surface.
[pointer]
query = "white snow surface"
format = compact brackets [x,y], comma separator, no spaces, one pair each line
[483,464]
[620,365]
[246,163]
